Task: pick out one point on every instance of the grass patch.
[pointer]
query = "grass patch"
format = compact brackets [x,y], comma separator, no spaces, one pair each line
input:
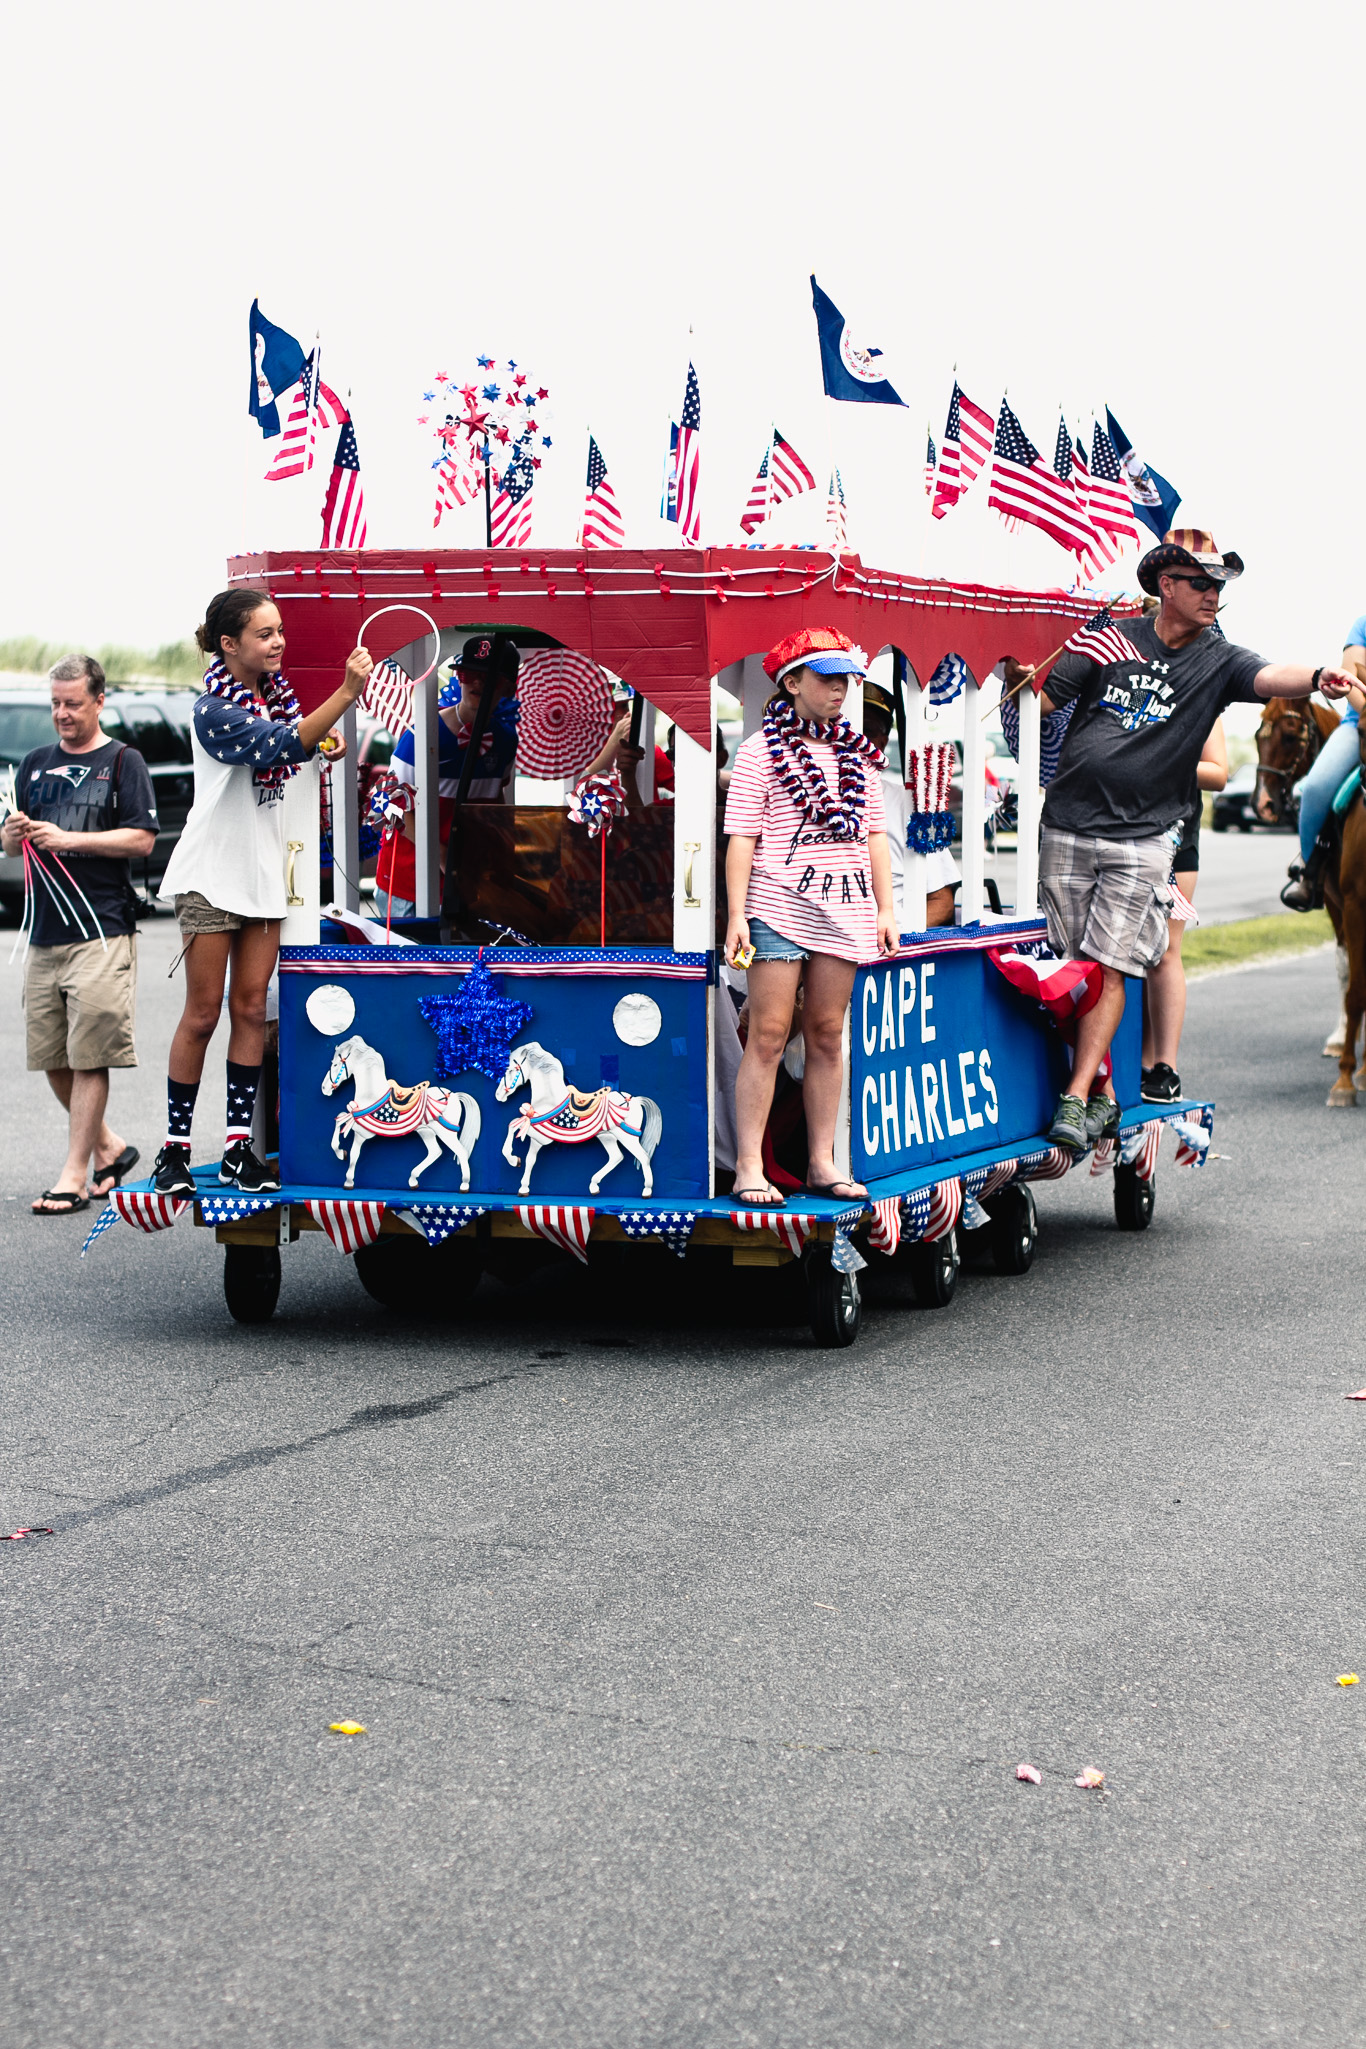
[178,662]
[1225,946]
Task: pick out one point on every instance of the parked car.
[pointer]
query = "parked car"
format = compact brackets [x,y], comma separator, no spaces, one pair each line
[1232,806]
[156,722]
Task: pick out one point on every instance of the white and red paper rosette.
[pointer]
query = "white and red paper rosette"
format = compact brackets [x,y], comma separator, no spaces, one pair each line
[566,712]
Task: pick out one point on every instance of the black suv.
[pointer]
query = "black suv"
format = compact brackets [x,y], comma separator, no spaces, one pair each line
[156,722]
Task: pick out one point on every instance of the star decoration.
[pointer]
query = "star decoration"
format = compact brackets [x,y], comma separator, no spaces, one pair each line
[475,1027]
[470,395]
[545,441]
[520,380]
[427,397]
[484,362]
[442,378]
[511,364]
[492,392]
[543,393]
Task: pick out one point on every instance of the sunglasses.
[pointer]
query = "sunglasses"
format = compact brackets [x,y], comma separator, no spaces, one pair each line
[1197,583]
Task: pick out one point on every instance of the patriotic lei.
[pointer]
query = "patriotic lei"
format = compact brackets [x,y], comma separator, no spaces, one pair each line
[282,708]
[794,766]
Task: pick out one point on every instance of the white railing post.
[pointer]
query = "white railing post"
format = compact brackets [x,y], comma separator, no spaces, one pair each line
[303,839]
[695,837]
[1028,809]
[913,891]
[427,802]
[345,780]
[974,804]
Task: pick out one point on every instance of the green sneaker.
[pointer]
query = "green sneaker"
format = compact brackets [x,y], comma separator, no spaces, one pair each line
[1069,1125]
[1102,1117]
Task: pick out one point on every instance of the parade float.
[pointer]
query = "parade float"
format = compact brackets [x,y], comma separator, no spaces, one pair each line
[532,1060]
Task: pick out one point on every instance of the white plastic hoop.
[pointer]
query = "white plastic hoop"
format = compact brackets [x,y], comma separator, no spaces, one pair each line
[417,609]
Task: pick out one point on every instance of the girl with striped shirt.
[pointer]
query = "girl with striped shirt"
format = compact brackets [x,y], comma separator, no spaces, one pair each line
[809,883]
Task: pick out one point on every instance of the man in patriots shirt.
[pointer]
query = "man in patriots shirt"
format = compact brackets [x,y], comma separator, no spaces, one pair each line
[1127,781]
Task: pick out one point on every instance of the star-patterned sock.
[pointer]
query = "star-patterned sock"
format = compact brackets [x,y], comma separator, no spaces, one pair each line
[243,1083]
[180,1097]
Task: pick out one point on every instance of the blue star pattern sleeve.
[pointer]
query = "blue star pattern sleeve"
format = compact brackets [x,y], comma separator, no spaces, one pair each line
[239,739]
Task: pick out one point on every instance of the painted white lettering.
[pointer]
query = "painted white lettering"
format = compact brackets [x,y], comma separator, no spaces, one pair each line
[869,1029]
[888,1040]
[912,1107]
[974,1117]
[927,1032]
[929,1082]
[955,1124]
[989,1103]
[869,1132]
[905,1003]
[889,1113]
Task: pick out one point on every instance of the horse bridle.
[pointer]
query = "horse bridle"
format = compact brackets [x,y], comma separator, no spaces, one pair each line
[1304,728]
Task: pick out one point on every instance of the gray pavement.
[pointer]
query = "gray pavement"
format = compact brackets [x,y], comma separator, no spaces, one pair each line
[696,1662]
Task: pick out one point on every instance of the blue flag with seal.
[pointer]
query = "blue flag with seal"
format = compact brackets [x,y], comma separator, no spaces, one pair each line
[1154,499]
[277,361]
[850,373]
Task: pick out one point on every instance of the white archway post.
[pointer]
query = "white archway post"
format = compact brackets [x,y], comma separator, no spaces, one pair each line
[1028,809]
[974,804]
[914,907]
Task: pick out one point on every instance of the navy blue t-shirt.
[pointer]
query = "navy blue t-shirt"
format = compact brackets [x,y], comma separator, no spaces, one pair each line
[95,792]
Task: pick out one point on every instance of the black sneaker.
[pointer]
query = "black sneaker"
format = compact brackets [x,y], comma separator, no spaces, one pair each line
[1102,1117]
[171,1171]
[1160,1084]
[240,1168]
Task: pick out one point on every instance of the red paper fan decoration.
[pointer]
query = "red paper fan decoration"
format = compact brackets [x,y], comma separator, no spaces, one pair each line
[566,712]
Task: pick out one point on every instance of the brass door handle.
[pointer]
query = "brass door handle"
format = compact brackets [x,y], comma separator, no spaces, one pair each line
[294,901]
[690,902]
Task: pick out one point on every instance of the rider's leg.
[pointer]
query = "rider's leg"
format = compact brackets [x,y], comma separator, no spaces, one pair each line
[829,984]
[1337,758]
[772,994]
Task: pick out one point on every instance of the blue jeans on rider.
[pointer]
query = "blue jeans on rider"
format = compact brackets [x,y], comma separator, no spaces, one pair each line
[1337,758]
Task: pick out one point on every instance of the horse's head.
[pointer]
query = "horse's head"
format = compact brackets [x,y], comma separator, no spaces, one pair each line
[340,1070]
[1288,742]
[516,1076]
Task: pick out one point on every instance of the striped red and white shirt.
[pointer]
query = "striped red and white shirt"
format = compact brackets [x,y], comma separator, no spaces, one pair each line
[814,890]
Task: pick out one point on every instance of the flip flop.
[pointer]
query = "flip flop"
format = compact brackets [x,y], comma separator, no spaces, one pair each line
[753,1198]
[114,1172]
[857,1192]
[66,1203]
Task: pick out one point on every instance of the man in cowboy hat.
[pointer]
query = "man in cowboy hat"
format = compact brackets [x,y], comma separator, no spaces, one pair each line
[1127,781]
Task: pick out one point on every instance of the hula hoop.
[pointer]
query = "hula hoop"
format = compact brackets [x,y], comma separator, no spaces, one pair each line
[417,609]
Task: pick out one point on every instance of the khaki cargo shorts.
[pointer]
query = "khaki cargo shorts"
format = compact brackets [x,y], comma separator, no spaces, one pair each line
[1107,900]
[194,914]
[79,1003]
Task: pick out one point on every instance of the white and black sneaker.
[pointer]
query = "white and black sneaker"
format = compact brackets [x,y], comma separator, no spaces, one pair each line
[171,1171]
[1160,1084]
[240,1168]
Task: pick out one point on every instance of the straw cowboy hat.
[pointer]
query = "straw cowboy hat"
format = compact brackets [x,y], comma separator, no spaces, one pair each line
[1187,547]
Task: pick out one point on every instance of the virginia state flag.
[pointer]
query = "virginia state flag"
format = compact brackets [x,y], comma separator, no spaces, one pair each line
[277,361]
[850,372]
[1154,499]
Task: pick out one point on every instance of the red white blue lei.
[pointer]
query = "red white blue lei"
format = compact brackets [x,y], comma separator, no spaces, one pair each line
[794,766]
[282,708]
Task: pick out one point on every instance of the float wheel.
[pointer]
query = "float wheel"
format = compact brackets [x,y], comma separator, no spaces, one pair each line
[1134,1199]
[835,1299]
[251,1282]
[407,1273]
[934,1271]
[1014,1228]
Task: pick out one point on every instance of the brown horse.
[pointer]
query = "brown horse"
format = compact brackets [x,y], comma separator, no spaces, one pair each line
[1292,731]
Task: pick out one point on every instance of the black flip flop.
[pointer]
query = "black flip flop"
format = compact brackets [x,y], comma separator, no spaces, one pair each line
[68,1203]
[826,1191]
[115,1171]
[737,1196]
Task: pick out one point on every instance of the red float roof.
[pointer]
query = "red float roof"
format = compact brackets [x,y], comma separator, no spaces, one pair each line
[665,622]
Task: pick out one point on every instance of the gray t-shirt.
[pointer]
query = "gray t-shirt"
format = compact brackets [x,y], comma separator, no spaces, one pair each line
[1128,763]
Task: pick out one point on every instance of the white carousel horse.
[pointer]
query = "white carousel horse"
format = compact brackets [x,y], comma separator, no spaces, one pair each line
[381,1109]
[559,1114]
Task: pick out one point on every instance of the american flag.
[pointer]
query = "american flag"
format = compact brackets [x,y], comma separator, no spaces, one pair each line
[1024,487]
[350,1225]
[563,1224]
[967,444]
[668,496]
[344,505]
[782,474]
[603,526]
[690,464]
[511,511]
[1101,641]
[835,511]
[1107,497]
[389,696]
[1069,460]
[458,482]
[315,405]
[931,463]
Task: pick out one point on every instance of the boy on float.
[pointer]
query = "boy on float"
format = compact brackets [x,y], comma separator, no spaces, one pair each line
[227,874]
[809,884]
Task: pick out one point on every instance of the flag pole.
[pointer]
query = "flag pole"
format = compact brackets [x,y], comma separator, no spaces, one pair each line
[1027,677]
[488,498]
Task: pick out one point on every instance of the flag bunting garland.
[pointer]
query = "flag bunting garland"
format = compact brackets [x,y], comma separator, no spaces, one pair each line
[788,1226]
[438,1221]
[951,673]
[564,1224]
[674,1226]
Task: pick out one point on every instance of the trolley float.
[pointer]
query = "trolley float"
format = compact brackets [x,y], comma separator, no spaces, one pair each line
[451,1108]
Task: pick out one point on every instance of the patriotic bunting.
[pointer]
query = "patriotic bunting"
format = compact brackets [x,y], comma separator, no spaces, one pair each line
[948,679]
[845,1256]
[786,1225]
[946,1205]
[231,1208]
[1138,1148]
[350,1225]
[1049,1165]
[107,1216]
[563,1225]
[1193,1135]
[975,1218]
[981,1182]
[438,1221]
[673,1226]
[1065,988]
[884,1234]
[1105,1155]
[146,1209]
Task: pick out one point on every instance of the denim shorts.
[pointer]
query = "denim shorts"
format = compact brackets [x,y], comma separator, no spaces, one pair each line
[770,945]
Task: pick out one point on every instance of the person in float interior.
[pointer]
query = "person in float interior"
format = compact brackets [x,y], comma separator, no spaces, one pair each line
[941,872]
[809,884]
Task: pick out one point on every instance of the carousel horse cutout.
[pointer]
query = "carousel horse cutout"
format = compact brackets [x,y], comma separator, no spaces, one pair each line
[562,1115]
[380,1108]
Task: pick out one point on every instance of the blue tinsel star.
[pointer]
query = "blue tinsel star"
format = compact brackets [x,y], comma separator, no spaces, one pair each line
[492,392]
[484,362]
[474,1028]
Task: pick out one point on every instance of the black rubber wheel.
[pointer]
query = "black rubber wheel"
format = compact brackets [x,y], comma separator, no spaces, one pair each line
[1134,1200]
[404,1272]
[834,1299]
[934,1271]
[251,1282]
[1014,1228]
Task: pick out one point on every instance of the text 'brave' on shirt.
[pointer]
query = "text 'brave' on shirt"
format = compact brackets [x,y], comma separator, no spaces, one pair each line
[891,1110]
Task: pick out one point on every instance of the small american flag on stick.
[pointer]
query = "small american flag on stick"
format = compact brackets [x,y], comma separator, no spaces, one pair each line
[1101,641]
[389,696]
[690,464]
[344,505]
[511,510]
[782,474]
[967,444]
[603,526]
[314,405]
[458,482]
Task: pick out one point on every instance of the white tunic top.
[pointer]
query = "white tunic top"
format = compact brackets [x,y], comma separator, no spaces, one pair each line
[232,851]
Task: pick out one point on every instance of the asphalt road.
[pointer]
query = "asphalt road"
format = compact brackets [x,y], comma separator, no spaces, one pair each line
[696,1663]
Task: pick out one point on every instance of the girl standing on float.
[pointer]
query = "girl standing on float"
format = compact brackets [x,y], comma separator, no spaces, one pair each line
[809,884]
[227,874]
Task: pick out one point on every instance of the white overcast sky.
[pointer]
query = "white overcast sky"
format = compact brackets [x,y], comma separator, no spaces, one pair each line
[1154,206]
